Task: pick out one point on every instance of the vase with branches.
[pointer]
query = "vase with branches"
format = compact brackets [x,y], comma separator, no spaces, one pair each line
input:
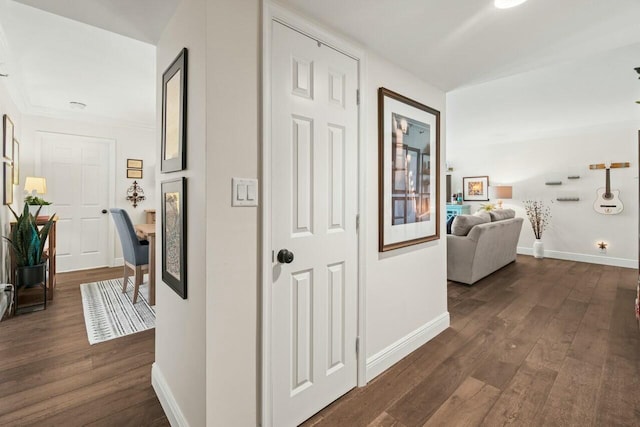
[539,216]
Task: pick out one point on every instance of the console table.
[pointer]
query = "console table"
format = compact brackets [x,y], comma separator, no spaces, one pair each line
[455,210]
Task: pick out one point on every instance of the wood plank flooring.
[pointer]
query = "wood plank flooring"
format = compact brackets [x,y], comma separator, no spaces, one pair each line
[538,343]
[51,376]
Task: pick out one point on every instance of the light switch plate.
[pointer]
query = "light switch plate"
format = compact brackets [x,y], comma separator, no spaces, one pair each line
[244,192]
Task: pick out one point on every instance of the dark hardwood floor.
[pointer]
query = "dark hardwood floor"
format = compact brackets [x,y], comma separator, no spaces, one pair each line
[51,376]
[539,343]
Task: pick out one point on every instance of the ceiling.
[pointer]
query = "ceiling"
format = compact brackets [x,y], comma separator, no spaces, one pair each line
[53,60]
[101,52]
[452,44]
[142,20]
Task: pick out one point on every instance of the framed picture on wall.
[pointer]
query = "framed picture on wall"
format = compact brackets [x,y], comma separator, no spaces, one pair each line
[16,162]
[408,171]
[174,235]
[8,134]
[475,188]
[174,115]
[8,183]
[134,164]
[134,173]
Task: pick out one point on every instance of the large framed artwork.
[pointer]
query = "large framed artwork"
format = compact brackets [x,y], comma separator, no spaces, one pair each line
[7,138]
[475,188]
[174,235]
[408,171]
[174,115]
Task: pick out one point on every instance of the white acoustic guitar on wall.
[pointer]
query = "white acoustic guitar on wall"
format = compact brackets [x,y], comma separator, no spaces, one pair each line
[608,200]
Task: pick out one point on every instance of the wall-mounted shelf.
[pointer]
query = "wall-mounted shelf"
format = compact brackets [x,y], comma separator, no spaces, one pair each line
[568,199]
[573,177]
[553,183]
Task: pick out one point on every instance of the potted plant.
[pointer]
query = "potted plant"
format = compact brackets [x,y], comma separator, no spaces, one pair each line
[539,216]
[35,204]
[27,244]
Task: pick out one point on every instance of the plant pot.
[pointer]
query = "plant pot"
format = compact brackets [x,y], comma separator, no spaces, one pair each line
[29,277]
[43,212]
[538,249]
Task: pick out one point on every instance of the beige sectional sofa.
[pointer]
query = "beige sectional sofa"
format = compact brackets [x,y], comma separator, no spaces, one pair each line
[481,245]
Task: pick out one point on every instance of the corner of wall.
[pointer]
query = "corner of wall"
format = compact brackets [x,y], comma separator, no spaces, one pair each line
[167,401]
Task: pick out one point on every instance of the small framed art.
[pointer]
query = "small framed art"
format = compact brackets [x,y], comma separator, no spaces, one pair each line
[8,183]
[475,188]
[134,164]
[174,235]
[16,162]
[134,173]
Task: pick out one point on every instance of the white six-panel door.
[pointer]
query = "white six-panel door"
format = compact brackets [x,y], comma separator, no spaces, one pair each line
[77,173]
[314,206]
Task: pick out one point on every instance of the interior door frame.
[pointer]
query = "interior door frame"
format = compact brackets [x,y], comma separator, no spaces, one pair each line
[111,149]
[272,12]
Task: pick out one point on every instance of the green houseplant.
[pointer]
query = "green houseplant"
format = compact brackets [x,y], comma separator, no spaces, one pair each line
[27,244]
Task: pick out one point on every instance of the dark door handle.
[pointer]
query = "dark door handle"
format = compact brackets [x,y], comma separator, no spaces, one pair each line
[285,256]
[104,211]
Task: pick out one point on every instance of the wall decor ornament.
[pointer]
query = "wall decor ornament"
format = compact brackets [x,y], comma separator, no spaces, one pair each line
[475,188]
[174,235]
[8,183]
[174,115]
[408,171]
[135,194]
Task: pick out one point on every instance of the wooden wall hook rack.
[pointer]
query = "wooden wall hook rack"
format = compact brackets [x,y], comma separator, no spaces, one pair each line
[612,166]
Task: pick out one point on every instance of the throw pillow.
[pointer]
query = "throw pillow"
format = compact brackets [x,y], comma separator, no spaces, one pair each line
[449,223]
[502,214]
[462,224]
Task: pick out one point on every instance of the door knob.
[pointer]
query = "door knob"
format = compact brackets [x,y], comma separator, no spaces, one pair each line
[285,256]
[104,211]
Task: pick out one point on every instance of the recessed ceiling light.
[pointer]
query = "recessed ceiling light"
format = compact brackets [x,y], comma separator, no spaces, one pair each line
[506,4]
[78,105]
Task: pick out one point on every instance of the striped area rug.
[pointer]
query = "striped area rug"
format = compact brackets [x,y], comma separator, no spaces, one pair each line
[109,314]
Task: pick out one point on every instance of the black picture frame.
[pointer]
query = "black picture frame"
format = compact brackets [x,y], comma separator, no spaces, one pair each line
[8,133]
[174,115]
[174,234]
[475,188]
[409,206]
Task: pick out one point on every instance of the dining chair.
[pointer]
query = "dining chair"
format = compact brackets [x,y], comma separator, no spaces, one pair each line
[135,252]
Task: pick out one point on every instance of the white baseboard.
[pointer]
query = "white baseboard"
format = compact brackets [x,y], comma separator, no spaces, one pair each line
[592,259]
[389,356]
[118,262]
[169,405]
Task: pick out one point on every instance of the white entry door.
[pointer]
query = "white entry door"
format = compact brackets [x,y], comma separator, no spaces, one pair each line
[77,173]
[314,207]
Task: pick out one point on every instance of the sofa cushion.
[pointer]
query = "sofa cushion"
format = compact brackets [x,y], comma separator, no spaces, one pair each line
[462,224]
[449,223]
[502,214]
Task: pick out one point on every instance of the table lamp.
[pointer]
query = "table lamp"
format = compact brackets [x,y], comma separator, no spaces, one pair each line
[35,185]
[500,192]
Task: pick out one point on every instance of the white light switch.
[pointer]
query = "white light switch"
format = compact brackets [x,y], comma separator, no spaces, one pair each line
[244,192]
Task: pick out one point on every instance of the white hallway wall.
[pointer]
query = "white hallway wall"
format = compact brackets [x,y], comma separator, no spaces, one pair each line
[406,289]
[7,106]
[543,125]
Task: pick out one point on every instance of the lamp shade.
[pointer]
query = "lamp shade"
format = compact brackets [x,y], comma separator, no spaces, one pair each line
[35,183]
[500,192]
